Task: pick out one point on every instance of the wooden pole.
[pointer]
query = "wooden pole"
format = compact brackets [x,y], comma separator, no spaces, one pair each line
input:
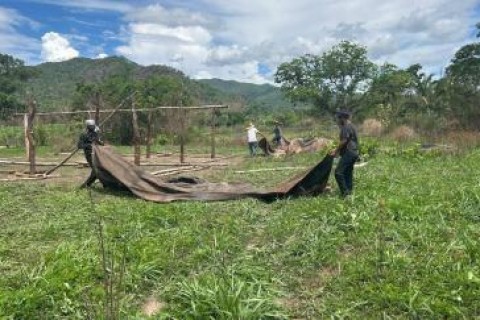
[32,109]
[97,108]
[118,109]
[148,148]
[112,112]
[25,133]
[212,154]
[136,135]
[182,137]
[62,162]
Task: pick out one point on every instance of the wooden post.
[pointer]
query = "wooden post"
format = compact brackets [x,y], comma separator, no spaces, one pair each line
[25,132]
[97,108]
[29,140]
[212,154]
[148,148]
[136,134]
[182,136]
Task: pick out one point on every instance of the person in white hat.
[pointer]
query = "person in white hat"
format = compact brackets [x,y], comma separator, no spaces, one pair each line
[252,139]
[85,142]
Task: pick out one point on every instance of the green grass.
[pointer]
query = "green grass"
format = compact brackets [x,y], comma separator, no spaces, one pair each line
[405,246]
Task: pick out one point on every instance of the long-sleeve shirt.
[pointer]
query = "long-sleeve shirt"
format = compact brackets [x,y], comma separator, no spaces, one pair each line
[86,140]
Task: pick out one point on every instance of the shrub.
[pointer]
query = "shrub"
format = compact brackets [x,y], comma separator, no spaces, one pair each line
[372,128]
[403,134]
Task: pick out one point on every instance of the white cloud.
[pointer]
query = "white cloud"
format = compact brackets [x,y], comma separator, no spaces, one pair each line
[12,41]
[56,48]
[101,56]
[173,17]
[230,39]
[243,72]
[107,5]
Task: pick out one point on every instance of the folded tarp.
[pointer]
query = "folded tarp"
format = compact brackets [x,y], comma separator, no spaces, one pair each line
[114,172]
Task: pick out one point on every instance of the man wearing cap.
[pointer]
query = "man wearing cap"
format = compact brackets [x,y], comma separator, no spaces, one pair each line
[348,151]
[277,134]
[87,138]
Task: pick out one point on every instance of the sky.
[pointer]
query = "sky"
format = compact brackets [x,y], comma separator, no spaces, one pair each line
[243,40]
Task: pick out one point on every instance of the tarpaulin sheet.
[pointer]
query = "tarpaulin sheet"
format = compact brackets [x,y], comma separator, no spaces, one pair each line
[115,172]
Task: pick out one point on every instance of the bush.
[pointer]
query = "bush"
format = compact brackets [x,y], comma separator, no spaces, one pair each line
[372,128]
[403,134]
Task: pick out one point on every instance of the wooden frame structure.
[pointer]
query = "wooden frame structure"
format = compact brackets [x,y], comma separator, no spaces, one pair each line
[32,112]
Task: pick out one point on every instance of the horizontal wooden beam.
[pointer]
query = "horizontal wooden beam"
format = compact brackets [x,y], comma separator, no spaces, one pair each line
[213,106]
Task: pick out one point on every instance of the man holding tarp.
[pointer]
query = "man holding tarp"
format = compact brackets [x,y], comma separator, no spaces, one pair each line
[348,151]
[87,139]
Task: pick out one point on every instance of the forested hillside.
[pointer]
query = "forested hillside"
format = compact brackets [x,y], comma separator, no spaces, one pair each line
[54,84]
[261,95]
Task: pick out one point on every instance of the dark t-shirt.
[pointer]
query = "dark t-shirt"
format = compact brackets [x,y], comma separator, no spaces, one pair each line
[86,139]
[348,132]
[277,132]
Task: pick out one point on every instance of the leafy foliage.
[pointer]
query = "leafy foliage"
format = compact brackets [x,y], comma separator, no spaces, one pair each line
[330,80]
[12,76]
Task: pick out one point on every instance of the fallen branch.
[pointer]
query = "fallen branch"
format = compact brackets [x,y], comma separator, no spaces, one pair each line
[359,165]
[181,171]
[25,163]
[43,177]
[61,163]
[269,169]
[186,164]
[160,172]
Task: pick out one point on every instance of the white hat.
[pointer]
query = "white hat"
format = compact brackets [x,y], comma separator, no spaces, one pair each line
[90,122]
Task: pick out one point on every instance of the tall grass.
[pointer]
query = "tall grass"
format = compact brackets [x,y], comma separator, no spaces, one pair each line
[405,246]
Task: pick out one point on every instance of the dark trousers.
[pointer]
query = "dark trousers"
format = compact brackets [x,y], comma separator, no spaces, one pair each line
[252,146]
[91,179]
[277,140]
[344,172]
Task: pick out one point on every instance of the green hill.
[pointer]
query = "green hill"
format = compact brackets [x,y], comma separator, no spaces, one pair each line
[55,83]
[261,95]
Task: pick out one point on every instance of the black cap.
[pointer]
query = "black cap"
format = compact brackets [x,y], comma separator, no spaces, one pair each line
[342,114]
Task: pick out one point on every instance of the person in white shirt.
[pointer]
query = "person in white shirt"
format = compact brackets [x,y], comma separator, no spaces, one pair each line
[252,139]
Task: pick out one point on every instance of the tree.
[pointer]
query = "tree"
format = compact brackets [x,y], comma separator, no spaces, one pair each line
[331,81]
[463,76]
[13,75]
[465,67]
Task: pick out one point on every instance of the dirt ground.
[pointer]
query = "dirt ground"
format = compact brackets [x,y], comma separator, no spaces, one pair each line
[76,169]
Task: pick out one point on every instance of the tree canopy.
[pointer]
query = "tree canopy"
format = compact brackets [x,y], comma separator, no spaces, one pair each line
[331,80]
[13,75]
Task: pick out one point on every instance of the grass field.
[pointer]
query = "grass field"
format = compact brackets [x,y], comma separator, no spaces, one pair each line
[405,246]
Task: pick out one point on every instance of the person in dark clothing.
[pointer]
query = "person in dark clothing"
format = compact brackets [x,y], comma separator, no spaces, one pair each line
[85,142]
[277,134]
[348,151]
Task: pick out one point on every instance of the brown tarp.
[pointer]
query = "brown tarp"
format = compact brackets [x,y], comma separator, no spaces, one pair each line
[116,173]
[294,146]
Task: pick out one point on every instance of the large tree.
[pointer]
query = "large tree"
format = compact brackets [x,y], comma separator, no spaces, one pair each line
[12,76]
[331,81]
[465,67]
[463,77]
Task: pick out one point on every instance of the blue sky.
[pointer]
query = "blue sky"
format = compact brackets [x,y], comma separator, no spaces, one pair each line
[242,40]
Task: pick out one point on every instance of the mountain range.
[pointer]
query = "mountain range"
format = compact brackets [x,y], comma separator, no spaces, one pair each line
[54,83]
